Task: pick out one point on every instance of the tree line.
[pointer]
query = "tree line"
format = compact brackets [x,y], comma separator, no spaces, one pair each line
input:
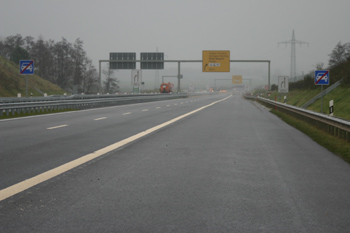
[62,63]
[338,64]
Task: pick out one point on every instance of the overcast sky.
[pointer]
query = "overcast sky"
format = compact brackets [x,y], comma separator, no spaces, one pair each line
[182,29]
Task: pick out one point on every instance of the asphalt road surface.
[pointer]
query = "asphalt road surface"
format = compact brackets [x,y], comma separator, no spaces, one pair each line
[215,163]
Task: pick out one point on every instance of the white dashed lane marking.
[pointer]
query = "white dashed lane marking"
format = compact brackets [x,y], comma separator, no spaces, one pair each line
[101,118]
[28,183]
[56,127]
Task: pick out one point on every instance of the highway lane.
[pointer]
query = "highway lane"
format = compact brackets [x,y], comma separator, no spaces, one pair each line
[232,167]
[30,146]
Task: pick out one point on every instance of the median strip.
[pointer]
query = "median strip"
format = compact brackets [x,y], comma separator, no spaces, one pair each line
[26,184]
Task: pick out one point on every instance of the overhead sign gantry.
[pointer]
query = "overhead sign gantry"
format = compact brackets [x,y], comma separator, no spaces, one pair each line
[212,61]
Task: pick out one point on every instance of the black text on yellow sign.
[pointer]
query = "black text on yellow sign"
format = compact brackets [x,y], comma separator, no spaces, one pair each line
[216,61]
[237,79]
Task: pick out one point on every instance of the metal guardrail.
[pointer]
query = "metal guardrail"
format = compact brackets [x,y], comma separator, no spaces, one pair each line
[79,102]
[332,125]
[323,93]
[66,97]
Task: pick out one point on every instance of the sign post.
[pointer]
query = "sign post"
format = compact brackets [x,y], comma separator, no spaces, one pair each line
[283,84]
[136,81]
[26,67]
[321,78]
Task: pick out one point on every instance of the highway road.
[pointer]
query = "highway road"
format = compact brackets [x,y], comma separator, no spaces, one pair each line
[216,163]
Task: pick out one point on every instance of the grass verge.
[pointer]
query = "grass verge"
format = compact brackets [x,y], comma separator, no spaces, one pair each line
[16,115]
[336,145]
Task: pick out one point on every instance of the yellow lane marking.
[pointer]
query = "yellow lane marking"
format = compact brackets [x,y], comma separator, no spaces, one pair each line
[26,184]
[127,113]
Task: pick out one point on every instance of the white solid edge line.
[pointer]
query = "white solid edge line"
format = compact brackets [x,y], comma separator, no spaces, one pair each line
[28,183]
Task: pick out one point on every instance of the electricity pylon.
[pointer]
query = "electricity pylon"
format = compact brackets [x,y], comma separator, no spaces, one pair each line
[156,77]
[293,42]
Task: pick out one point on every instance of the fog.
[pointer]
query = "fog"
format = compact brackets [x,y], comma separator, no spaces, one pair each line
[182,29]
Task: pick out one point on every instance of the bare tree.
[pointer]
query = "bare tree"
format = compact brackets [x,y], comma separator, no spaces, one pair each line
[63,63]
[347,51]
[90,79]
[41,54]
[111,84]
[79,63]
[319,66]
[338,55]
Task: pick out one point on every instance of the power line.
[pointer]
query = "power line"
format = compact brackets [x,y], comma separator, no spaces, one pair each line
[293,42]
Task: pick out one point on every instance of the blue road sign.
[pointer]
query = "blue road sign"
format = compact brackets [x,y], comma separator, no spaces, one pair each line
[322,77]
[26,67]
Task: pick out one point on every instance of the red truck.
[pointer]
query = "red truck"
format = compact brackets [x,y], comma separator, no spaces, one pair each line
[166,88]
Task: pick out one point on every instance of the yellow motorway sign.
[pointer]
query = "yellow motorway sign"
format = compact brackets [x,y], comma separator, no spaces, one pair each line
[237,79]
[216,61]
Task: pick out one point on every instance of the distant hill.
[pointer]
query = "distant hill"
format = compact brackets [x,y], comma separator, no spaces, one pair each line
[12,83]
